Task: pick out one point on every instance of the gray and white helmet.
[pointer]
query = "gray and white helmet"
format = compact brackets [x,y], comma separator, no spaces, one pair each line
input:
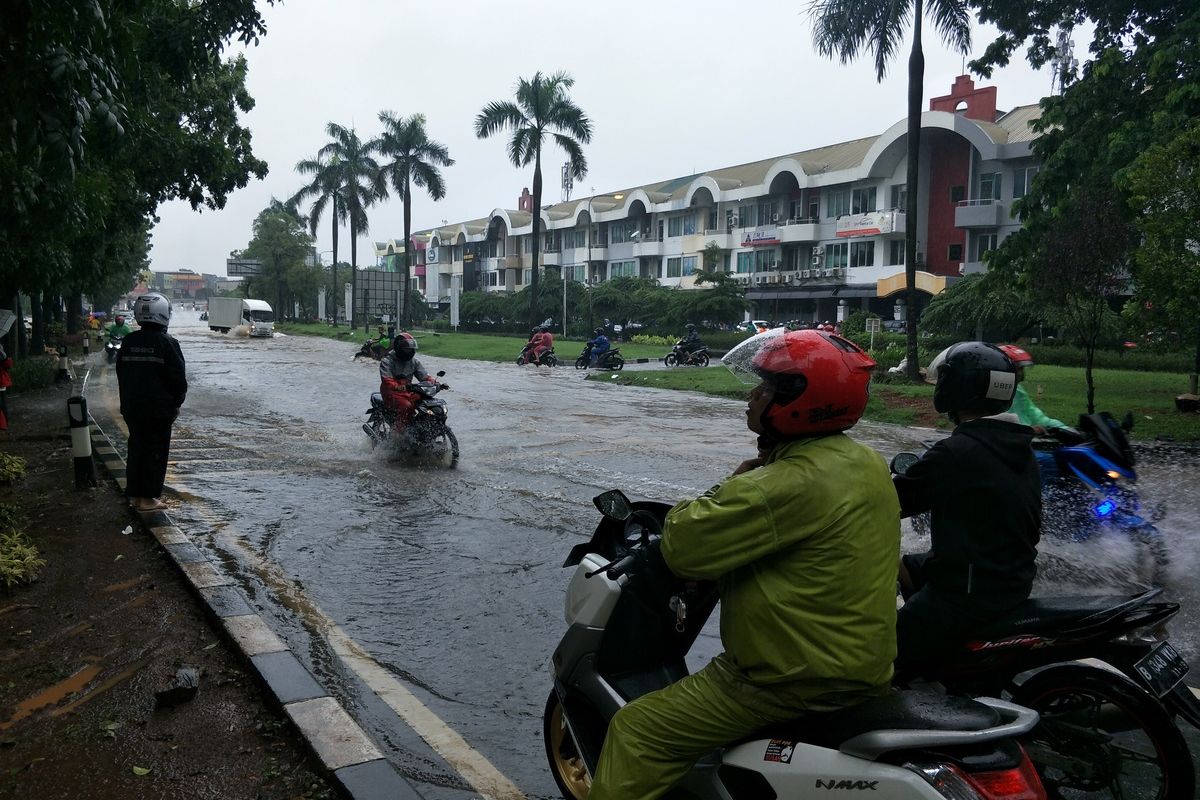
[152,307]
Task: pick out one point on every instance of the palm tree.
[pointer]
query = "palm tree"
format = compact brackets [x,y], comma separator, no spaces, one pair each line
[343,173]
[323,188]
[415,159]
[542,108]
[847,28]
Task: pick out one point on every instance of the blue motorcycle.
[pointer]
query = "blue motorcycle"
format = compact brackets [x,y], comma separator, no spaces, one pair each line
[1089,489]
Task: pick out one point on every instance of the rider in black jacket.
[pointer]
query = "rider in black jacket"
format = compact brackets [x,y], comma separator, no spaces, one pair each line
[982,488]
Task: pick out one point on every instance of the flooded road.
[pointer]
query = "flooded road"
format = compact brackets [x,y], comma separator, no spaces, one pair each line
[451,580]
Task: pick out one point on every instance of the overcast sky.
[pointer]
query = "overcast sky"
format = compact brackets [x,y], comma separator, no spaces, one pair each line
[672,88]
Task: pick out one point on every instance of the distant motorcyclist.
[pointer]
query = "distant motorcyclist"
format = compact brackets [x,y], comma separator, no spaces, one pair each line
[691,341]
[1023,406]
[381,343]
[982,488]
[119,329]
[398,370]
[598,345]
[543,342]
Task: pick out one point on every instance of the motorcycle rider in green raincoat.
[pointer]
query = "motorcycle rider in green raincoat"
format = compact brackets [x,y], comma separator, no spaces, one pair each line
[803,541]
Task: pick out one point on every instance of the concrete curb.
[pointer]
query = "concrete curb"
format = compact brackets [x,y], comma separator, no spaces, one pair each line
[351,760]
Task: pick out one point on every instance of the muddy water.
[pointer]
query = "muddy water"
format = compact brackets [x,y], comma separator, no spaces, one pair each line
[452,579]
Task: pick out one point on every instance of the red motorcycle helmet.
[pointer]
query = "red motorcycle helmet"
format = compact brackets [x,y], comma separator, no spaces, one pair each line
[1017,355]
[821,380]
[405,346]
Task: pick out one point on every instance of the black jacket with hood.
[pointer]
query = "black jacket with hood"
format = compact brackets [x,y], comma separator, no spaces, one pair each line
[982,487]
[151,374]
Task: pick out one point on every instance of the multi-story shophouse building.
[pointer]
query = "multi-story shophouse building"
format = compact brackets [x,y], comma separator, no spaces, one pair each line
[812,235]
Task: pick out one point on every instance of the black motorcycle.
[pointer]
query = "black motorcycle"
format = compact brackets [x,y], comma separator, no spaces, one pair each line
[426,438]
[610,359]
[369,350]
[680,356]
[112,347]
[547,359]
[1106,731]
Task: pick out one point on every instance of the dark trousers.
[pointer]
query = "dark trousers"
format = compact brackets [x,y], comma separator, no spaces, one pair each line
[149,444]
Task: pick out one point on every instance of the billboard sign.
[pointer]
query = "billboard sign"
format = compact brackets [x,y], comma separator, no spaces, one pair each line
[242,266]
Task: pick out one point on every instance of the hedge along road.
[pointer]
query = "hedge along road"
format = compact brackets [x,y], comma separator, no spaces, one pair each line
[431,600]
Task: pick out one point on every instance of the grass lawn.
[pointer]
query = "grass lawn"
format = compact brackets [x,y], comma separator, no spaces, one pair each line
[1149,395]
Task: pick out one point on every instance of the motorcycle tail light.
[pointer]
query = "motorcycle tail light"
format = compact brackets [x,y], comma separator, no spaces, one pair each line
[1105,508]
[1019,783]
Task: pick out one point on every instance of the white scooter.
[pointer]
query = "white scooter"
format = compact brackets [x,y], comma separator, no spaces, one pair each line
[631,622]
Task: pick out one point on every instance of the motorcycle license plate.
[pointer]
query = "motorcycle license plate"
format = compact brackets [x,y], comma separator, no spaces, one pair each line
[1162,668]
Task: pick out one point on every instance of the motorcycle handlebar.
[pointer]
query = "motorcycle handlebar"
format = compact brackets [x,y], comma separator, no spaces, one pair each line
[621,567]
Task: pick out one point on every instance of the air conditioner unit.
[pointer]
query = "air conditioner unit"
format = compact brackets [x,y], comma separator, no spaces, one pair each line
[806,273]
[774,218]
[819,250]
[816,261]
[836,272]
[733,222]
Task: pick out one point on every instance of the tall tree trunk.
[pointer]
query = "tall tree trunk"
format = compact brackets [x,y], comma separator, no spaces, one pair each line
[1089,358]
[404,303]
[37,340]
[537,237]
[1193,379]
[352,312]
[916,80]
[74,310]
[333,268]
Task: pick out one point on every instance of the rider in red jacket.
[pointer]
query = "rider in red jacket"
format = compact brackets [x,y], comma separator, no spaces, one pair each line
[397,370]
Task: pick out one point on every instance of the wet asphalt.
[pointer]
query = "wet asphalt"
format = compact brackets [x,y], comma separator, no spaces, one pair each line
[452,579]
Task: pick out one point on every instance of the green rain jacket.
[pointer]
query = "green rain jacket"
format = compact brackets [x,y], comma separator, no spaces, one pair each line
[805,552]
[1029,414]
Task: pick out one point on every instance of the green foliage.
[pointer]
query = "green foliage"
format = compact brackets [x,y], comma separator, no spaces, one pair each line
[11,516]
[1135,360]
[661,341]
[282,245]
[991,301]
[543,108]
[12,468]
[34,372]
[20,561]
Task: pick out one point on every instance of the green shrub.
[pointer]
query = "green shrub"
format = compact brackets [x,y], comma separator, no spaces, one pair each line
[1065,355]
[10,516]
[660,341]
[12,468]
[20,561]
[34,372]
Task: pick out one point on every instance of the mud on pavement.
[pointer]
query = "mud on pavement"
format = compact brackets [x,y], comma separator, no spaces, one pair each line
[85,649]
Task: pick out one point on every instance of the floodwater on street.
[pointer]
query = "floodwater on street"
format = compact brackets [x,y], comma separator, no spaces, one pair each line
[452,579]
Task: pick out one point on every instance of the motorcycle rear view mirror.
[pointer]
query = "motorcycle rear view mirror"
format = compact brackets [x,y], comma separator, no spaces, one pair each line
[902,462]
[614,505]
[441,372]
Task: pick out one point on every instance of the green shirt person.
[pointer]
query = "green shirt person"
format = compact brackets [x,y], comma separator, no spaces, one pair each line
[119,329]
[1022,405]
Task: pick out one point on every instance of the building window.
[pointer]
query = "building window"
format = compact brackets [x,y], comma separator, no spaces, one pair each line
[623,269]
[837,203]
[989,186]
[900,196]
[836,255]
[765,260]
[862,254]
[689,224]
[958,194]
[675,226]
[862,200]
[895,252]
[674,267]
[745,262]
[689,265]
[621,231]
[955,252]
[712,218]
[984,244]
[1022,180]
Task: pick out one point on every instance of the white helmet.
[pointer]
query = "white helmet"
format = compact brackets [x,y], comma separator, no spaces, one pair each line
[152,307]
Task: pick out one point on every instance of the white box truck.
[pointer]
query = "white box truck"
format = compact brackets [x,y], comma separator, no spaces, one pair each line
[225,313]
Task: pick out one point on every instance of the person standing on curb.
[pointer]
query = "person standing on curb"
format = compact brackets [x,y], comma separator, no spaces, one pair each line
[152,380]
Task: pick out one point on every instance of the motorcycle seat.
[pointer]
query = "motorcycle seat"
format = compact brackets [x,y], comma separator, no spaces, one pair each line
[903,709]
[1041,614]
